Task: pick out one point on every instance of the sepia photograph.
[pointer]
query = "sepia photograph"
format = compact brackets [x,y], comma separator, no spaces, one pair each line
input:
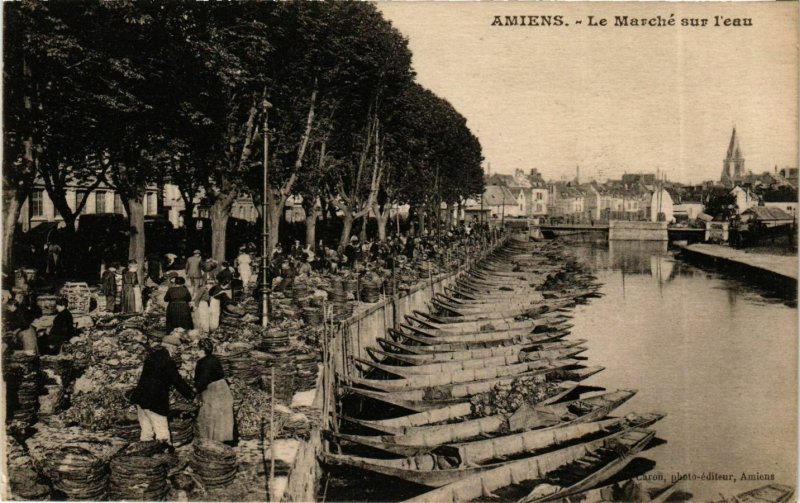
[384,251]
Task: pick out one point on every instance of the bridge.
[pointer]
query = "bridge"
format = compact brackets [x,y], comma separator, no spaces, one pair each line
[674,233]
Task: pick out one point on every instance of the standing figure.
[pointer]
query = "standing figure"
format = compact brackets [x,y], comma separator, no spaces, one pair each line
[215,418]
[225,274]
[110,288]
[220,295]
[178,313]
[201,316]
[151,395]
[245,269]
[194,270]
[131,290]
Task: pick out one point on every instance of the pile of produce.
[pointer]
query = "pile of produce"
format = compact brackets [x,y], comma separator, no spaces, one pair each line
[507,398]
[139,472]
[251,407]
[214,462]
[99,411]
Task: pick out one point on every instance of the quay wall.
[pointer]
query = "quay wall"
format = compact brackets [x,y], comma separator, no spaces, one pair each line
[622,230]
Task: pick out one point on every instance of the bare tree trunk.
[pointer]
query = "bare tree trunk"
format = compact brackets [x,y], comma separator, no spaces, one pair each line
[382,218]
[312,214]
[347,228]
[136,243]
[421,219]
[449,220]
[14,199]
[220,212]
[275,213]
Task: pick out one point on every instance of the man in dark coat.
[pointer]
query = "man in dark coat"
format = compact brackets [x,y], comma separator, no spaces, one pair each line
[151,395]
[194,270]
[63,329]
[225,275]
[110,288]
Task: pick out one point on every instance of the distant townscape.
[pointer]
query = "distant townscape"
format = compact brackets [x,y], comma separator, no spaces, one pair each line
[642,196]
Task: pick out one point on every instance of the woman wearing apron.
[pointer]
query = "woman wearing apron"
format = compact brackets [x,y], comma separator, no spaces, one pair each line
[215,418]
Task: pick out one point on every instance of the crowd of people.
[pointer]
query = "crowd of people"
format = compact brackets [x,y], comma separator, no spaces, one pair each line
[198,292]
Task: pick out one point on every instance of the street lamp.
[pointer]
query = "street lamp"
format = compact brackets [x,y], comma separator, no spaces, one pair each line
[266,105]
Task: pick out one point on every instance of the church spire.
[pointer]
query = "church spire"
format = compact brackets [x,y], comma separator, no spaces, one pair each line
[733,165]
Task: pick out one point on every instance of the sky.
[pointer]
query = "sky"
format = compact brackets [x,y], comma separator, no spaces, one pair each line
[613,100]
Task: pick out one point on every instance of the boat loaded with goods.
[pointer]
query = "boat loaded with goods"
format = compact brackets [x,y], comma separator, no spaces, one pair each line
[481,397]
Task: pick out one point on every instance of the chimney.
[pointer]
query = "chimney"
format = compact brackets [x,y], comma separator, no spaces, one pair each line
[577,175]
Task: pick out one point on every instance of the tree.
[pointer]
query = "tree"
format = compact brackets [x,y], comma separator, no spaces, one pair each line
[721,206]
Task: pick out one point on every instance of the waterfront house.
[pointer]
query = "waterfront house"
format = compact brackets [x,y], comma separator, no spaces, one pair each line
[768,217]
[745,198]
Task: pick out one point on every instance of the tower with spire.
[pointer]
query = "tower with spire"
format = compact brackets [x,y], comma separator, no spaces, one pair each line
[733,165]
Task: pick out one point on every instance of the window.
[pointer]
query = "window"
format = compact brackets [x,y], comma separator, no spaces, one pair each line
[100,202]
[151,204]
[37,203]
[538,196]
[118,208]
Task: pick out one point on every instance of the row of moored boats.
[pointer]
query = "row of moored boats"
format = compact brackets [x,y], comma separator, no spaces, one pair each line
[503,324]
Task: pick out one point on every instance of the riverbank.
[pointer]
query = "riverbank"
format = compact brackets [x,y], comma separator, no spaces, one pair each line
[777,270]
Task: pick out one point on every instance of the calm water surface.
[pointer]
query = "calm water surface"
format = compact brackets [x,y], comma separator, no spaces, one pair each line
[717,355]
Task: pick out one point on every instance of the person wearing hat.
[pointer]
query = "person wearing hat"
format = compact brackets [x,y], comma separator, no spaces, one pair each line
[219,296]
[215,417]
[194,270]
[151,395]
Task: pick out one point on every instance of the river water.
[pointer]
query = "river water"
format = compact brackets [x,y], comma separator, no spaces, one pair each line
[717,355]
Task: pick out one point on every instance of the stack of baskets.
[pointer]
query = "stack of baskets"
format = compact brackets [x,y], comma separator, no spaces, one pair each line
[312,316]
[371,291]
[389,287]
[274,341]
[285,376]
[351,286]
[306,364]
[127,427]
[77,473]
[214,462]
[21,373]
[139,473]
[78,296]
[238,363]
[181,423]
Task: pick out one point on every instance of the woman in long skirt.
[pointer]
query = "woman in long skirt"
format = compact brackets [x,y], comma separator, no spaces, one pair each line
[215,418]
[131,291]
[201,316]
[179,315]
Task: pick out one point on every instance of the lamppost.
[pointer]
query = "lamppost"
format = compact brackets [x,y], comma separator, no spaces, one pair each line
[266,105]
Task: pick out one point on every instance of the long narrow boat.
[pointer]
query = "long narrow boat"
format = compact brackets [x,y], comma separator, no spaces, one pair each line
[475,363]
[484,335]
[442,349]
[495,313]
[451,412]
[411,356]
[556,414]
[595,455]
[535,314]
[436,470]
[527,328]
[498,307]
[431,398]
[453,326]
[475,341]
[466,376]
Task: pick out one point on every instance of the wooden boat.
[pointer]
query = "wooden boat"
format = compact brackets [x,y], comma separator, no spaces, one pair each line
[493,312]
[435,470]
[771,493]
[454,326]
[475,341]
[531,327]
[445,352]
[409,354]
[453,321]
[613,451]
[555,414]
[422,381]
[484,336]
[430,398]
[458,365]
[450,412]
